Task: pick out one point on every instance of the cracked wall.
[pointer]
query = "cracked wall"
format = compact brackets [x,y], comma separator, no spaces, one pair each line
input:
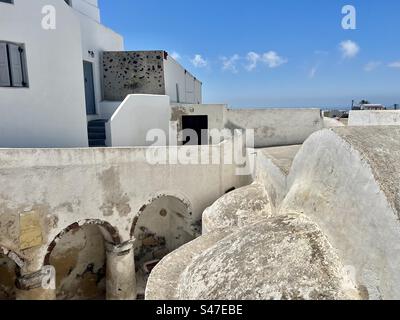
[47,193]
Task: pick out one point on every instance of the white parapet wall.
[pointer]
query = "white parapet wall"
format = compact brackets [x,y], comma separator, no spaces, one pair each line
[62,187]
[374,118]
[135,117]
[276,127]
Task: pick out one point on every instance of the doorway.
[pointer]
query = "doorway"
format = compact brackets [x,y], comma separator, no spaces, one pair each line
[199,124]
[89,88]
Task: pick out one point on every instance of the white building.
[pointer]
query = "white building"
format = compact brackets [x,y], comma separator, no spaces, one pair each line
[51,78]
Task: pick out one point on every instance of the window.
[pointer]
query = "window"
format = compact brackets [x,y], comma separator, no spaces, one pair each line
[12,65]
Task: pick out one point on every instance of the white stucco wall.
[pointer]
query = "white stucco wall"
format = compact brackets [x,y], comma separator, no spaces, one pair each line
[374,118]
[276,127]
[51,112]
[98,38]
[89,8]
[190,88]
[107,108]
[138,114]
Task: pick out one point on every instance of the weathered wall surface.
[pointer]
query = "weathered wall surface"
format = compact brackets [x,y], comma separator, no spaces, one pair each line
[79,259]
[347,181]
[215,113]
[134,72]
[238,208]
[272,167]
[7,278]
[276,127]
[374,118]
[46,191]
[135,117]
[285,257]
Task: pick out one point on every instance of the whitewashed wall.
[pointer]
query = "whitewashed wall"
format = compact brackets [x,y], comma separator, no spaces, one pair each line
[138,114]
[89,8]
[51,112]
[189,87]
[374,118]
[276,127]
[97,38]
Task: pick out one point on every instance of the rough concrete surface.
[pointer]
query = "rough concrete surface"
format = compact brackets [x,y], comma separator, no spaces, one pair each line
[132,72]
[275,258]
[271,170]
[374,118]
[276,127]
[237,208]
[165,278]
[332,123]
[347,181]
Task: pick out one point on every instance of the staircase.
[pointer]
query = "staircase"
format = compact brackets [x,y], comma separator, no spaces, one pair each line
[97,133]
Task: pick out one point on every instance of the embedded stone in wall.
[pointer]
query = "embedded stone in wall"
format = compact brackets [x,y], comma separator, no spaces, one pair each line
[30,230]
[133,72]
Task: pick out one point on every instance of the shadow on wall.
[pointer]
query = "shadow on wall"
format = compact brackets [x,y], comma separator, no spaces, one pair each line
[7,278]
[80,262]
[162,227]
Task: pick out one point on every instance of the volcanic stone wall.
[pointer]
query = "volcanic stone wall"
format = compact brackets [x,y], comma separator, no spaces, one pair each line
[132,72]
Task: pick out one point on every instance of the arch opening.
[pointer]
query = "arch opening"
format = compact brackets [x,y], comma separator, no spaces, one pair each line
[10,265]
[7,277]
[162,226]
[78,255]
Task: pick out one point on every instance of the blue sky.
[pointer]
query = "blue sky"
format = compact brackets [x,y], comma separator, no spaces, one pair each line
[272,53]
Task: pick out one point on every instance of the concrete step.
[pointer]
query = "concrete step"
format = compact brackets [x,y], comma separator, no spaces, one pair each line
[97,143]
[96,130]
[97,123]
[101,135]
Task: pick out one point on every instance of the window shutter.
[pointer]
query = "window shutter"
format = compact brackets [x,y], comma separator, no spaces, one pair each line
[17,79]
[4,71]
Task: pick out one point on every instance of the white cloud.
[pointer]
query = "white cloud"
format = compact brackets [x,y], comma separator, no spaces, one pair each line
[175,55]
[395,64]
[271,59]
[349,49]
[199,62]
[253,59]
[229,64]
[313,71]
[371,66]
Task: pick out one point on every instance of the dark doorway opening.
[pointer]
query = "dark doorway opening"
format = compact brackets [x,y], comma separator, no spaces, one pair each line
[89,88]
[199,124]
